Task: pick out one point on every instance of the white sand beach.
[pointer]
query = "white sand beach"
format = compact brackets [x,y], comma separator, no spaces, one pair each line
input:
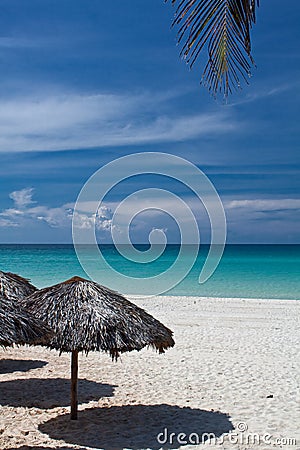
[233,372]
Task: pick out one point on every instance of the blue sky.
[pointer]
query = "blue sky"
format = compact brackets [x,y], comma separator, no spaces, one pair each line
[85,82]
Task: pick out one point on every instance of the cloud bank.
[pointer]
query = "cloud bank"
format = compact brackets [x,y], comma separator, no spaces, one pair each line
[245,218]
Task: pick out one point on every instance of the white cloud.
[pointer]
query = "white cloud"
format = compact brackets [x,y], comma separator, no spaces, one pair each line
[58,217]
[265,205]
[261,93]
[22,198]
[61,122]
[102,220]
[263,220]
[7,223]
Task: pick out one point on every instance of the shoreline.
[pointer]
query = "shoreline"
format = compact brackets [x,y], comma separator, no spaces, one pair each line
[235,361]
[250,299]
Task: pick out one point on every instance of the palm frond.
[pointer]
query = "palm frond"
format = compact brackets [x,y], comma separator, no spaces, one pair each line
[223,27]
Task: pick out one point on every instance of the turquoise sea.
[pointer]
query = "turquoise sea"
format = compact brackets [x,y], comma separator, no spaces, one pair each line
[249,271]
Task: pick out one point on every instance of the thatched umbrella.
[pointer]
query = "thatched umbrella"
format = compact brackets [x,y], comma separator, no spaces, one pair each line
[86,316]
[14,286]
[18,327]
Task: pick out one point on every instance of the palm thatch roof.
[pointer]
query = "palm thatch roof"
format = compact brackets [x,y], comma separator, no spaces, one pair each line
[86,316]
[18,327]
[14,286]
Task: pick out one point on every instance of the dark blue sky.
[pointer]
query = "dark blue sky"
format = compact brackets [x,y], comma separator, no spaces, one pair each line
[85,82]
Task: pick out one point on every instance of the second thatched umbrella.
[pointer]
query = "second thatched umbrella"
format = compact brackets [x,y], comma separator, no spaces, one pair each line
[18,327]
[86,316]
[14,286]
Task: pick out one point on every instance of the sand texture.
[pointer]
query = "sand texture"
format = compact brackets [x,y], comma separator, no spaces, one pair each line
[233,372]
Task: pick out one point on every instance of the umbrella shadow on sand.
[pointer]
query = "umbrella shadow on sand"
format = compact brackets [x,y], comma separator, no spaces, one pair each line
[49,392]
[20,365]
[138,426]
[27,447]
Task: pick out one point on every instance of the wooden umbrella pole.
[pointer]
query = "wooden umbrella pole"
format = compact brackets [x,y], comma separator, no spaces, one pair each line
[74,377]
